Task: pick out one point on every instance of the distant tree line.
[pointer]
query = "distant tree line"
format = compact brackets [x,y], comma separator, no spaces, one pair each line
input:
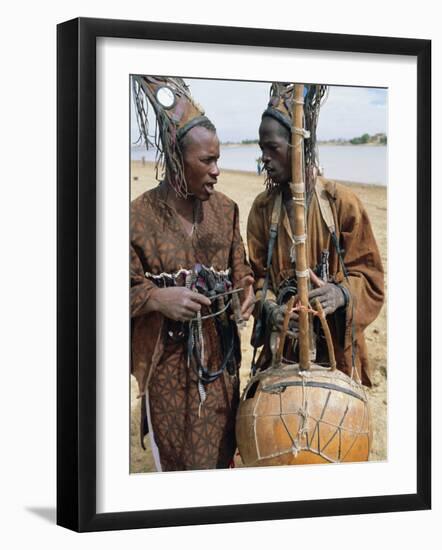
[242,142]
[376,139]
[380,139]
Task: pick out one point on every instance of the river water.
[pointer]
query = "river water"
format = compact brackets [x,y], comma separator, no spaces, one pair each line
[357,163]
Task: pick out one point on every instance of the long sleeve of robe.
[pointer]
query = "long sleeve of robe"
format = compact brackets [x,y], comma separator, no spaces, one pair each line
[365,281]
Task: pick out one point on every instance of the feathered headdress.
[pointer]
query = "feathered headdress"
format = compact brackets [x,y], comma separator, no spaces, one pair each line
[176,113]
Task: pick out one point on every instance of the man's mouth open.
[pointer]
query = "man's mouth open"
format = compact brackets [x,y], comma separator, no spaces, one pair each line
[209,188]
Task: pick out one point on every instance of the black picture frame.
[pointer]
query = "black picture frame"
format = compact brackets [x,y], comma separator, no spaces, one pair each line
[76,273]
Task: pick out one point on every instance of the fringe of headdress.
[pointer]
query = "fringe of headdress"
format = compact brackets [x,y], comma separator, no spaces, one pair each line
[270,185]
[312,104]
[168,157]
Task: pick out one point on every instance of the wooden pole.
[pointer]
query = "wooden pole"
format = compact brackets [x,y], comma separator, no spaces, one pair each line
[298,195]
[328,338]
[283,335]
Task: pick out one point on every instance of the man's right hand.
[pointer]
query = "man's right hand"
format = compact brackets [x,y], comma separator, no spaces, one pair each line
[177,303]
[276,314]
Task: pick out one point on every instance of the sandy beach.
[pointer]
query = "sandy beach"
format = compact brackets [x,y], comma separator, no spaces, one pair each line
[242,187]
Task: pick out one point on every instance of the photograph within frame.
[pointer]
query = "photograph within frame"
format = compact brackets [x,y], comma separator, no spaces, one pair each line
[345,149]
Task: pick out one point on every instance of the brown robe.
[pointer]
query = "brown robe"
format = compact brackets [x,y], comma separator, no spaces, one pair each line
[361,257]
[188,436]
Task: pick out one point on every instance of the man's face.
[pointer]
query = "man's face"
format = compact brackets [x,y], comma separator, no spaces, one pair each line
[274,144]
[200,157]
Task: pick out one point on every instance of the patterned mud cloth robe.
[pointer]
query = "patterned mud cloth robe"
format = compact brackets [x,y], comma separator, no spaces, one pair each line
[365,283]
[187,436]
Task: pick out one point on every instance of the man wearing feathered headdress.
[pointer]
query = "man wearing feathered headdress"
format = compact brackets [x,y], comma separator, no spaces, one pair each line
[188,265]
[345,267]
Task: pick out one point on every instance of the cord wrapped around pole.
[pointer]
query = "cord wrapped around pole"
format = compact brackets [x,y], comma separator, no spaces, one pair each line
[298,195]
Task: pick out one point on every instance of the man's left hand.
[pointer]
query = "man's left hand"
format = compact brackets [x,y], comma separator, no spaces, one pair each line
[248,296]
[330,297]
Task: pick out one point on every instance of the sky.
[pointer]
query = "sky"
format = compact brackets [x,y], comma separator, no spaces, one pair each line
[235,107]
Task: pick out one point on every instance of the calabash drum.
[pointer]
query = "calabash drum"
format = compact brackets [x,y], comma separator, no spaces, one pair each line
[292,416]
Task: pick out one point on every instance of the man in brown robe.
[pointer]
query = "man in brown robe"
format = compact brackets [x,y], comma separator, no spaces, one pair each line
[352,293]
[179,230]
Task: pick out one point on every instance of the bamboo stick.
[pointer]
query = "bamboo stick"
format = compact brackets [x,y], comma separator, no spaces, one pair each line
[326,329]
[298,195]
[285,328]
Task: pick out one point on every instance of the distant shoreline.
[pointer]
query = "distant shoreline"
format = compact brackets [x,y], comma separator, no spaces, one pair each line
[231,171]
[347,143]
[321,143]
